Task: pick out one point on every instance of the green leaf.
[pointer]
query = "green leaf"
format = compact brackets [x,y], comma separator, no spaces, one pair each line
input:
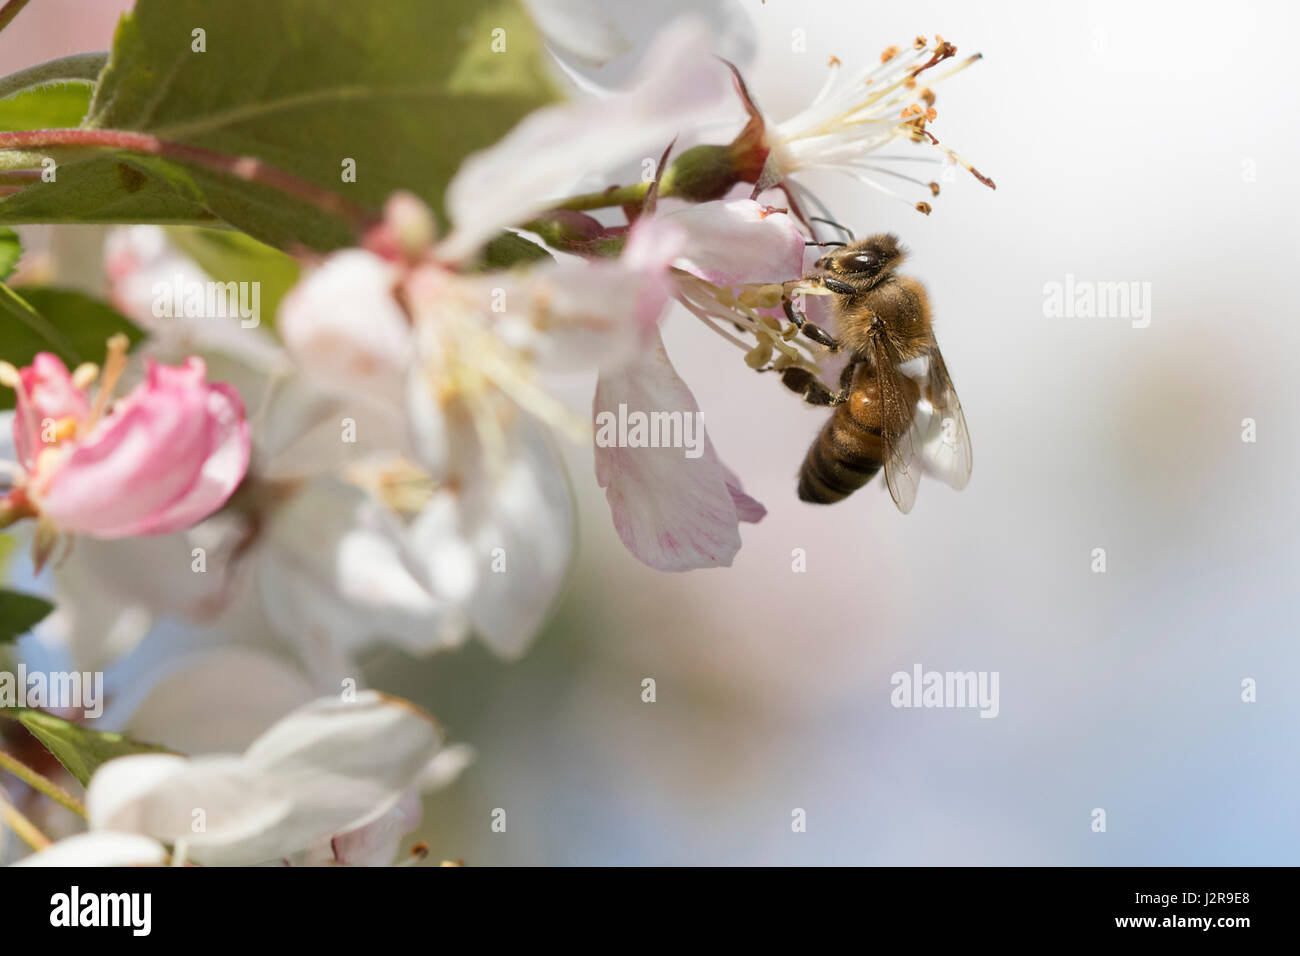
[83,68]
[229,256]
[81,751]
[103,190]
[71,324]
[19,613]
[55,106]
[404,89]
[11,250]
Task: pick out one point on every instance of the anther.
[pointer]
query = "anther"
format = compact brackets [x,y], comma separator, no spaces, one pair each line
[84,375]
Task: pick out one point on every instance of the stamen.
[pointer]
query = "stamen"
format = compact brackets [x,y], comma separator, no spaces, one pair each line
[528,395]
[84,375]
[404,487]
[967,166]
[114,366]
[418,853]
[65,428]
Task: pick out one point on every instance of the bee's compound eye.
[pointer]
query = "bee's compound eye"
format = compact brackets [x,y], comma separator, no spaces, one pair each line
[863,262]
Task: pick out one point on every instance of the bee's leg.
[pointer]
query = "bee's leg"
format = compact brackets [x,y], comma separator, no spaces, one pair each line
[812,389]
[836,286]
[846,382]
[797,379]
[814,332]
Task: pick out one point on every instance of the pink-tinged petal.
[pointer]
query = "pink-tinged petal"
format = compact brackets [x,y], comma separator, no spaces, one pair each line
[574,315]
[344,326]
[222,470]
[673,512]
[735,242]
[597,314]
[49,388]
[168,455]
[45,392]
[547,154]
[377,843]
[748,509]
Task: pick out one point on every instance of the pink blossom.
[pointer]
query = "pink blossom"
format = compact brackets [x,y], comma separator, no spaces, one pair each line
[47,394]
[672,511]
[164,457]
[738,242]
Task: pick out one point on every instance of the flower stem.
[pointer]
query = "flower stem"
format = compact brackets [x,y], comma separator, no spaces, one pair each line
[10,10]
[613,196]
[25,829]
[37,782]
[19,177]
[247,168]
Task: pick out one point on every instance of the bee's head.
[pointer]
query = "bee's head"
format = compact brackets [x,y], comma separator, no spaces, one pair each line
[863,262]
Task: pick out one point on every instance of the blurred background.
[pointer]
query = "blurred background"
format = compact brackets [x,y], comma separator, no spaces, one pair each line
[1118,690]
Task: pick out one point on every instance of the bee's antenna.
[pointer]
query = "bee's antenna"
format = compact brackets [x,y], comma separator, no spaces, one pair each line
[813,243]
[831,222]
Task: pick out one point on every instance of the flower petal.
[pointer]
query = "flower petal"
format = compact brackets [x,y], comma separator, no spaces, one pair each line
[549,152]
[204,801]
[748,509]
[334,568]
[344,326]
[593,314]
[377,843]
[500,545]
[178,709]
[147,274]
[100,849]
[735,242]
[580,28]
[673,512]
[46,393]
[327,768]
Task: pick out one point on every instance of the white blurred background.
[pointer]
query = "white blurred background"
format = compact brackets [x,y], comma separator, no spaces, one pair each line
[1130,141]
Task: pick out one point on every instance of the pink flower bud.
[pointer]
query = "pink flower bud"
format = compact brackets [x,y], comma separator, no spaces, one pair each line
[163,458]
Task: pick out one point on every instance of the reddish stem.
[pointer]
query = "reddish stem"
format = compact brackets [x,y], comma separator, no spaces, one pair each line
[247,168]
[10,10]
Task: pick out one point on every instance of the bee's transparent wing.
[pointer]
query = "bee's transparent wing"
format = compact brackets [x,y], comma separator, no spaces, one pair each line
[945,451]
[902,439]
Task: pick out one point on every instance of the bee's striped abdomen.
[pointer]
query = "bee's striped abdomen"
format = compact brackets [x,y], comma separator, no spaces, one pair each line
[847,453]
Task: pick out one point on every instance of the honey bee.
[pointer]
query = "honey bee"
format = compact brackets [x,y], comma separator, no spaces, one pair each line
[896,407]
